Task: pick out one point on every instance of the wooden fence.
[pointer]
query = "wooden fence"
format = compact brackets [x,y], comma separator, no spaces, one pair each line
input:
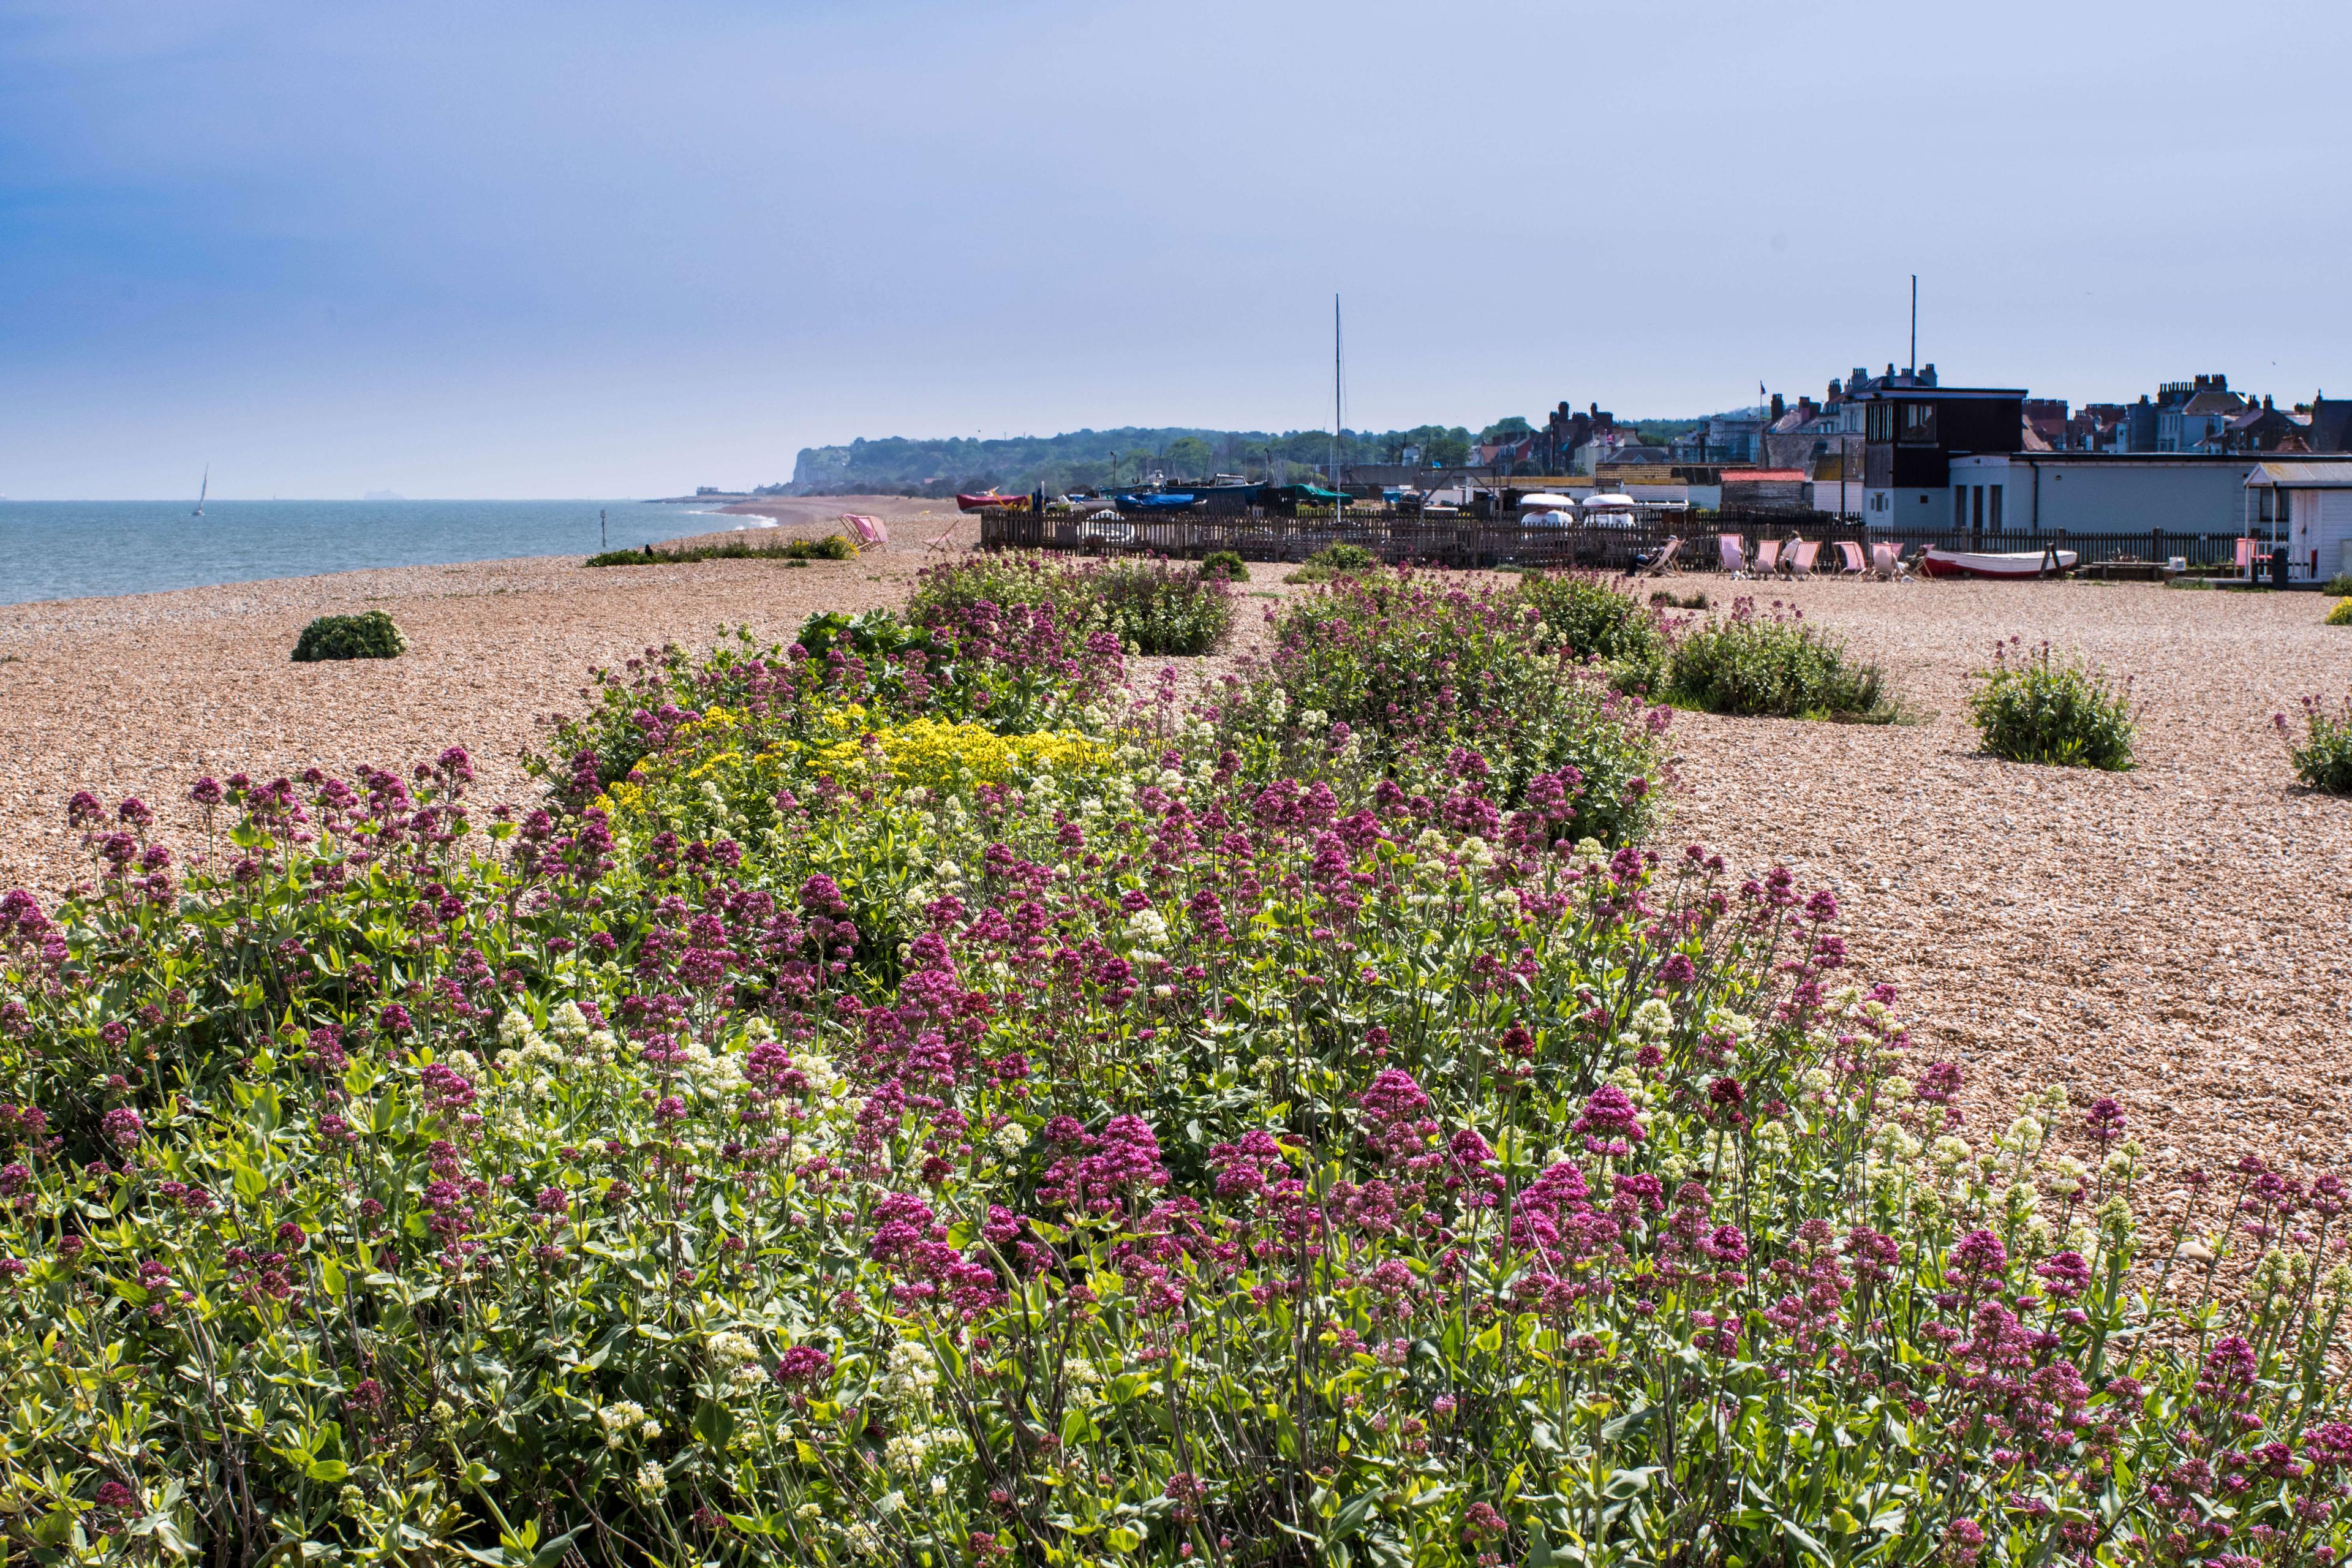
[1469,543]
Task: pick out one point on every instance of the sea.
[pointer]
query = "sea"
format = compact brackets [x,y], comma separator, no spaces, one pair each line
[74,549]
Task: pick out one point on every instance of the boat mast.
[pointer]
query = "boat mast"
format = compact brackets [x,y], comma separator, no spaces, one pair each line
[204,489]
[1338,506]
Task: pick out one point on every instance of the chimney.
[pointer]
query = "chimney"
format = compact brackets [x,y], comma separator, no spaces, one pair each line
[1927,374]
[1779,408]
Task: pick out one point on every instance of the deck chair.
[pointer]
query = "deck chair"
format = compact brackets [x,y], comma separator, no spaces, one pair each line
[2246,559]
[1663,560]
[1768,558]
[1885,560]
[1733,553]
[868,532]
[1799,559]
[1851,563]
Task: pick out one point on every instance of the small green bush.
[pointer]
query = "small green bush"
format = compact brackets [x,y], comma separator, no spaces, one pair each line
[1156,607]
[1598,625]
[370,635]
[832,547]
[2340,586]
[1224,566]
[2038,708]
[1334,561]
[2323,758]
[2341,615]
[1746,664]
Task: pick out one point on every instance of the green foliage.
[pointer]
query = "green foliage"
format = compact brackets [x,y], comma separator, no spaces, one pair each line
[832,547]
[1159,607]
[1098,458]
[369,636]
[1779,666]
[1149,607]
[1440,685]
[1596,623]
[1334,561]
[2340,586]
[2322,756]
[1224,566]
[2038,708]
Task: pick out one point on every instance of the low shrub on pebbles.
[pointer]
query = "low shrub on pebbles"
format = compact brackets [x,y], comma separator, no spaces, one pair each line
[367,635]
[2322,756]
[2038,707]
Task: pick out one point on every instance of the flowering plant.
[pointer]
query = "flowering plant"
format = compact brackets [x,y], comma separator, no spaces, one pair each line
[1189,1157]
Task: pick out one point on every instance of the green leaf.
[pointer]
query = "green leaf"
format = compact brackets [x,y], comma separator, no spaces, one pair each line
[714,1424]
[327,1472]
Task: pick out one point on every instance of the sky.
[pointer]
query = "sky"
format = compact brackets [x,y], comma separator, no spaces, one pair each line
[603,247]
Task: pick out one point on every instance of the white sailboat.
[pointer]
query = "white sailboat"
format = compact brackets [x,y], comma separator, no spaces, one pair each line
[202,490]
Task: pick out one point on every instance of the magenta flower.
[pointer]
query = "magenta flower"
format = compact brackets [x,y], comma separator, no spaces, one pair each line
[123,1126]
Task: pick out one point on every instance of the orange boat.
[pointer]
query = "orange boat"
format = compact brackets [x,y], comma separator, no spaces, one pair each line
[990,501]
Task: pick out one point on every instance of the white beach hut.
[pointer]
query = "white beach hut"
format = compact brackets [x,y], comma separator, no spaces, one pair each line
[2306,507]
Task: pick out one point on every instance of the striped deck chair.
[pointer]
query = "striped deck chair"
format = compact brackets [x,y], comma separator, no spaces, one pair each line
[868,532]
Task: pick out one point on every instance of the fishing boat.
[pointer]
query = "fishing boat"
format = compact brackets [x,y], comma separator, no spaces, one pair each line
[1997,563]
[990,500]
[1157,501]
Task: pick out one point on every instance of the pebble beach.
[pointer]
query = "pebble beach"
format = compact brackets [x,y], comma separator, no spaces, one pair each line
[2178,936]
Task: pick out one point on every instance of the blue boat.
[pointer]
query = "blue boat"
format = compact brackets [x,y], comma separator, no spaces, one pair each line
[1157,501]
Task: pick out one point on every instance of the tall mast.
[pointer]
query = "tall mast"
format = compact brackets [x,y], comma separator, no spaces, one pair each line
[1915,324]
[1336,411]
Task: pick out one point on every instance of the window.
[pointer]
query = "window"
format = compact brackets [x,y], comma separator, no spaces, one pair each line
[1882,422]
[1919,422]
[1998,490]
[1976,521]
[1960,506]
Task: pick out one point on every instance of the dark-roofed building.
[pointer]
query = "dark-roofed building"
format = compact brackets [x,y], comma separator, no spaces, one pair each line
[1912,429]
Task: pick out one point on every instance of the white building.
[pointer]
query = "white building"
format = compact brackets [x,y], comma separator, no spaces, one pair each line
[2099,492]
[2305,504]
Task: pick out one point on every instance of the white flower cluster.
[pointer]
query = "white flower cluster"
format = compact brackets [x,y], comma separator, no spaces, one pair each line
[736,1355]
[913,1373]
[623,1418]
[524,1056]
[1653,1019]
[911,1452]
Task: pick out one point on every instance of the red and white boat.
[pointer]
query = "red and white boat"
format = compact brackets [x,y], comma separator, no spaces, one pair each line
[2013,563]
[990,501]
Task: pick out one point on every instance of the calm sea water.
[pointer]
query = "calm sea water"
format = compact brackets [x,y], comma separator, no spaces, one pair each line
[71,549]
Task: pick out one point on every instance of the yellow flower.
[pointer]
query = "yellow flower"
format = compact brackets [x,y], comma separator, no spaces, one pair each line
[939,755]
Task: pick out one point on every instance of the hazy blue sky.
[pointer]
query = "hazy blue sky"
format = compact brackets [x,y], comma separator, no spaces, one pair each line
[529,249]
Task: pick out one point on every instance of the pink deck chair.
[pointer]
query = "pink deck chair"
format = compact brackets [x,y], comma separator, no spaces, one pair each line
[1768,558]
[1850,555]
[1882,560]
[867,531]
[1734,553]
[2246,559]
[1800,557]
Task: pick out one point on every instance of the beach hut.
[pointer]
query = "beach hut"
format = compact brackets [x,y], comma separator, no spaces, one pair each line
[2303,506]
